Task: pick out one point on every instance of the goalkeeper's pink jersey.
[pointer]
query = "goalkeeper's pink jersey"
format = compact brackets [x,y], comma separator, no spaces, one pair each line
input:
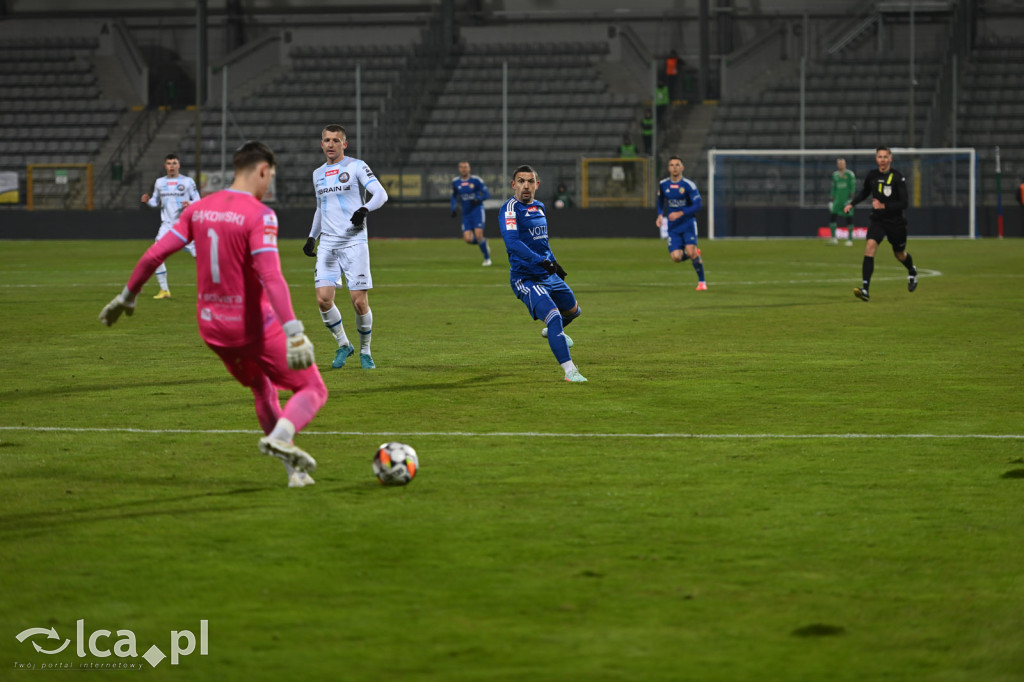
[238,271]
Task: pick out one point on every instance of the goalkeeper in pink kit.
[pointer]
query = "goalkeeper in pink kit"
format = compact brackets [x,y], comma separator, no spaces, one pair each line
[243,304]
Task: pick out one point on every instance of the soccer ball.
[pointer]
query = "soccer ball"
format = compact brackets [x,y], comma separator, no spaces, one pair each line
[395,463]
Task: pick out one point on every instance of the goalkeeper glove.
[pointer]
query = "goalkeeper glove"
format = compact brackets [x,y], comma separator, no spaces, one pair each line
[300,348]
[553,268]
[124,302]
[455,213]
[475,203]
[309,248]
[359,217]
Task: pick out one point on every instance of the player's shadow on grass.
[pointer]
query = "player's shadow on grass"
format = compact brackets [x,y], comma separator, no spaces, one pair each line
[371,486]
[36,523]
[443,385]
[69,388]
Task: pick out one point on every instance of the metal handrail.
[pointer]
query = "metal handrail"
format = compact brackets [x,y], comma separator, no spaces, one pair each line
[150,119]
[853,33]
[416,88]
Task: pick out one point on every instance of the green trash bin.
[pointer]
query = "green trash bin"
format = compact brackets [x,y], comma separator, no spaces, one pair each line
[117,172]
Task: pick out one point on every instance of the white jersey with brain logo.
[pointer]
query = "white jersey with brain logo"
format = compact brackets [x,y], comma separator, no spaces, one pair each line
[339,194]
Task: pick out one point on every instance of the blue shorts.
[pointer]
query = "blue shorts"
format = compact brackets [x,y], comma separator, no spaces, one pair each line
[473,219]
[540,295]
[679,236]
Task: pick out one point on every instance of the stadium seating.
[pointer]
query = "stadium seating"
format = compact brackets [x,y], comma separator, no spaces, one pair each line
[559,109]
[845,109]
[990,110]
[848,105]
[289,113]
[49,83]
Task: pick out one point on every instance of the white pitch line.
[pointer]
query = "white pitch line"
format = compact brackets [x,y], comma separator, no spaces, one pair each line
[922,273]
[537,434]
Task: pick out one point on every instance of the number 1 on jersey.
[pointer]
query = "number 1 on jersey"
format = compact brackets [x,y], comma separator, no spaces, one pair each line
[214,263]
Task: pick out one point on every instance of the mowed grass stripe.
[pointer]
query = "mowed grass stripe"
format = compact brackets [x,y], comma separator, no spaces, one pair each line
[536,434]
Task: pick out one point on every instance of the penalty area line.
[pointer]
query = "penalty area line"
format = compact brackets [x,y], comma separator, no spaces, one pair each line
[537,434]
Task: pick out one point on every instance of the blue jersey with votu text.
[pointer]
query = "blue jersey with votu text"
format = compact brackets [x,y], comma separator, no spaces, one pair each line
[524,227]
[679,195]
[469,193]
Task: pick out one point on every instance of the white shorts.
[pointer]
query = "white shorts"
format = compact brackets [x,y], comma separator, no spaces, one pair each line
[352,262]
[165,228]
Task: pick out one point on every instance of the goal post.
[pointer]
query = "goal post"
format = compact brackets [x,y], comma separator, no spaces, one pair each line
[60,186]
[784,192]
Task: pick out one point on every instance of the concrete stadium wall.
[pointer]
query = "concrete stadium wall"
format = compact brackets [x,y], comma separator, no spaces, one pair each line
[804,222]
[435,223]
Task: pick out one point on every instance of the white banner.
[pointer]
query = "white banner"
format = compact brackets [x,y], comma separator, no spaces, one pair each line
[8,187]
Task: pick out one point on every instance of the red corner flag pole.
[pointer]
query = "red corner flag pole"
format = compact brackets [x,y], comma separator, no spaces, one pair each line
[999,193]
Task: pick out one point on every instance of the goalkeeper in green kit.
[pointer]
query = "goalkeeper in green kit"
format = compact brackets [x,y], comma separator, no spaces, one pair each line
[844,184]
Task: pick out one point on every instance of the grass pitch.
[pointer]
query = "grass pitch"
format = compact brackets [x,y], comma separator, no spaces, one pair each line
[770,480]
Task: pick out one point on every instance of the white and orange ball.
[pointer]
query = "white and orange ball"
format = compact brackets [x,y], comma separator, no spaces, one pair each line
[395,463]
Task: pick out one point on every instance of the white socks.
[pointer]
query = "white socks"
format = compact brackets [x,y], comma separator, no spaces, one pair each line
[568,367]
[364,323]
[332,320]
[161,277]
[284,430]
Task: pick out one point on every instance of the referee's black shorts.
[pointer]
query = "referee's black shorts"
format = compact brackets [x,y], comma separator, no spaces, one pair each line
[894,231]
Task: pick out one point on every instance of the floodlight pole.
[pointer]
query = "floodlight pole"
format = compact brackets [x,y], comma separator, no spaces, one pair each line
[711,194]
[359,114]
[654,113]
[803,108]
[200,84]
[954,100]
[504,121]
[911,107]
[803,123]
[999,193]
[223,121]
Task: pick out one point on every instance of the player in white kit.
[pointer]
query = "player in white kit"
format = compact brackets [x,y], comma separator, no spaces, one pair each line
[172,193]
[340,223]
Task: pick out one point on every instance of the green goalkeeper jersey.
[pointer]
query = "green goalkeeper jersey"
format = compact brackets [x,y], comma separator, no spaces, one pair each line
[844,186]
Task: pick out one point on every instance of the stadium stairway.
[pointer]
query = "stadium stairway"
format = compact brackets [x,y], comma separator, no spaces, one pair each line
[164,142]
[110,78]
[149,164]
[104,185]
[685,138]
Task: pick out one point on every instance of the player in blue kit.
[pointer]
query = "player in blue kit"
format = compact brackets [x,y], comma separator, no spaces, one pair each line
[678,203]
[340,223]
[537,278]
[470,191]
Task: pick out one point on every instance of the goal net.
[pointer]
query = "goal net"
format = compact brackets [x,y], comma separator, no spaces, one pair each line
[785,192]
[59,186]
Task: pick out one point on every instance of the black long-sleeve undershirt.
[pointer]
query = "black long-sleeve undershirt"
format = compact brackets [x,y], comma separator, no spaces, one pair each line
[874,186]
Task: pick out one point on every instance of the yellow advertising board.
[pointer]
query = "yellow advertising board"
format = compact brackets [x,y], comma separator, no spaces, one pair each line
[405,185]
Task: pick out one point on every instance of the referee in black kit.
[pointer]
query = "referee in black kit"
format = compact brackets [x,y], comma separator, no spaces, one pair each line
[888,190]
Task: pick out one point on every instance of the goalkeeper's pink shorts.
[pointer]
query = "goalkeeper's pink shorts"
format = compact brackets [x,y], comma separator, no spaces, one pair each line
[269,358]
